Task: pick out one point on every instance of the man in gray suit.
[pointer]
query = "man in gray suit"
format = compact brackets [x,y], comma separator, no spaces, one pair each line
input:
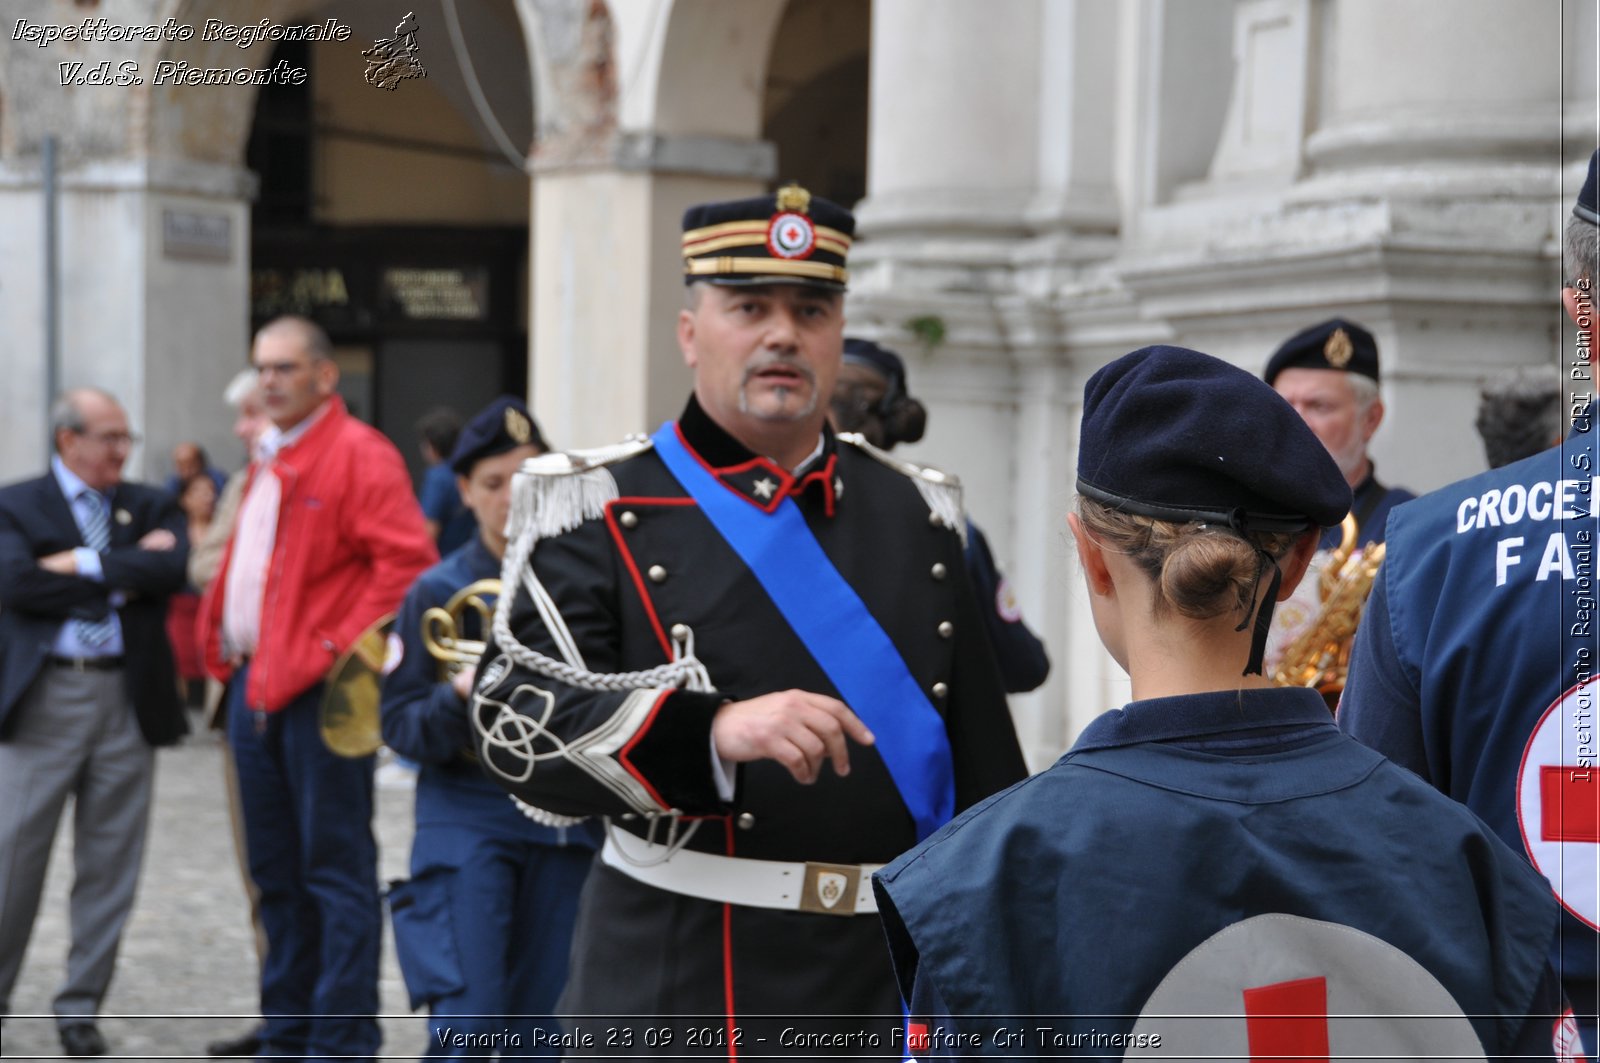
[87,690]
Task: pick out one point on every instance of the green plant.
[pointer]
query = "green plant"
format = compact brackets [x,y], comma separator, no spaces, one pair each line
[929,329]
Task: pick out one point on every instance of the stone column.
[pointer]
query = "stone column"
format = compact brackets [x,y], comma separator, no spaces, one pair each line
[1378,161]
[154,302]
[986,196]
[608,280]
[644,108]
[153,224]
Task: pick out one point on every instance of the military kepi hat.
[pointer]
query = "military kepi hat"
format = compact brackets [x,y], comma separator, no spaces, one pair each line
[1586,207]
[1180,436]
[1332,344]
[789,237]
[503,425]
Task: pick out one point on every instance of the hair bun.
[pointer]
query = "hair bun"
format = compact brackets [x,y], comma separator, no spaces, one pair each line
[904,420]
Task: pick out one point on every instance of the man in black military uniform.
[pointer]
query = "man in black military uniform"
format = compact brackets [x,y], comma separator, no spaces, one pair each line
[748,644]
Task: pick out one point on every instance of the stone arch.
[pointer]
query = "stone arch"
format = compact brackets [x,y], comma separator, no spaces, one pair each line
[209,124]
[571,57]
[712,69]
[814,99]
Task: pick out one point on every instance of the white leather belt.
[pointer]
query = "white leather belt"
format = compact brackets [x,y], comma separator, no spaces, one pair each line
[826,889]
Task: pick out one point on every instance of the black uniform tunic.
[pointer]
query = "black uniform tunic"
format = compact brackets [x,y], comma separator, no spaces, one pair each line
[621,582]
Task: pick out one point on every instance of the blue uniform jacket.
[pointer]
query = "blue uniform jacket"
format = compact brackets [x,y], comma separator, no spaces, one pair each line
[1470,663]
[441,501]
[1075,893]
[1024,664]
[424,720]
[1371,502]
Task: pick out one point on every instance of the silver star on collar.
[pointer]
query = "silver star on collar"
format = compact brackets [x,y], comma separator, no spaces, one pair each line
[765,486]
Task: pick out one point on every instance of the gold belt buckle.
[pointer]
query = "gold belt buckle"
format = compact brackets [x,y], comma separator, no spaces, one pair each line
[830,889]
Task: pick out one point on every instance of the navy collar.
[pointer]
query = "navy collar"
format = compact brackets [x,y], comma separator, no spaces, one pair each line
[1192,715]
[1368,482]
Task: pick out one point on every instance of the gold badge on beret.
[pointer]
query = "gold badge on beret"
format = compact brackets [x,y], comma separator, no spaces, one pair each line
[1338,350]
[517,426]
[124,517]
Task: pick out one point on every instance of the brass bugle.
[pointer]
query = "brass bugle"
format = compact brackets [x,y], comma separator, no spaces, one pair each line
[348,715]
[442,628]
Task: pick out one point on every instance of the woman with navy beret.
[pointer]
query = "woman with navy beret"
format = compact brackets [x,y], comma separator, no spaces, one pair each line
[1213,870]
[871,396]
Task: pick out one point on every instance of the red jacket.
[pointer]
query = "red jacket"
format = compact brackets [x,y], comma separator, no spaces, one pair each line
[350,541]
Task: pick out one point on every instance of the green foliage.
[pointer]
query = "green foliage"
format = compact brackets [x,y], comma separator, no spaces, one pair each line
[929,329]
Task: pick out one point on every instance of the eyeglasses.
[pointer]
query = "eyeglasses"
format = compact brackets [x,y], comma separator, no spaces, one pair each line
[110,439]
[271,369]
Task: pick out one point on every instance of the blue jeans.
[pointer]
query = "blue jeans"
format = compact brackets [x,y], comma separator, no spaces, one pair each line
[308,831]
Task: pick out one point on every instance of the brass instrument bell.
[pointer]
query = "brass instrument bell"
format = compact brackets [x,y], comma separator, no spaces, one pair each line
[1319,657]
[348,715]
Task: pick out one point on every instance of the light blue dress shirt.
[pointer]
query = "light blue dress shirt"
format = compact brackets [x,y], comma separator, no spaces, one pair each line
[83,500]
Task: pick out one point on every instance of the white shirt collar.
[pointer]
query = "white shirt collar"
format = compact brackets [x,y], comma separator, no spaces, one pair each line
[816,452]
[275,439]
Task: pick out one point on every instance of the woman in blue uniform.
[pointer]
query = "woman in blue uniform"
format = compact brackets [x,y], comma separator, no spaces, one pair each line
[1213,870]
[871,397]
[483,927]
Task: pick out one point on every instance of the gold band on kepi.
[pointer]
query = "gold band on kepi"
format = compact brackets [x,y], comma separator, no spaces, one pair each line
[707,267]
[789,237]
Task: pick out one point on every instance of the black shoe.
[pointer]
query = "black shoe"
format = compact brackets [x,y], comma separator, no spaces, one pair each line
[82,1039]
[244,1045]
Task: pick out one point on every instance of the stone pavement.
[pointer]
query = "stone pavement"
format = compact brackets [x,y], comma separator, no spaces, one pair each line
[186,973]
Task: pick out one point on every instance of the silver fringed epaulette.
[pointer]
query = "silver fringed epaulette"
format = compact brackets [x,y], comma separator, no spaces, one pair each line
[555,492]
[939,489]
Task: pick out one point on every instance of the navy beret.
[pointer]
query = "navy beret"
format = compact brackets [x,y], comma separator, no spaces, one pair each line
[1178,435]
[882,360]
[503,425]
[1332,344]
[789,237]
[1586,207]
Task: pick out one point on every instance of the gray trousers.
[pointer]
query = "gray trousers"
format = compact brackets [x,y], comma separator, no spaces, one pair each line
[74,734]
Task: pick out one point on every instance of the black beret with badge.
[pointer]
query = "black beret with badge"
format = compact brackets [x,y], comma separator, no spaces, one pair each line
[881,360]
[1180,436]
[503,425]
[788,237]
[1587,208]
[1332,344]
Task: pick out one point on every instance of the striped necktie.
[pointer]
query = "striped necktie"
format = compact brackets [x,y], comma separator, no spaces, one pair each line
[96,530]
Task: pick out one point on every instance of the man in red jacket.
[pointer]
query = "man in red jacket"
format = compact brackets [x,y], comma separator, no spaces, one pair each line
[328,538]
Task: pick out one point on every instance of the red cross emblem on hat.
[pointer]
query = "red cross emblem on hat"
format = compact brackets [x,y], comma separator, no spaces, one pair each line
[791,235]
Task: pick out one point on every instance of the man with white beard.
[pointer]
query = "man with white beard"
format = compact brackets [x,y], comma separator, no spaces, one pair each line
[1329,374]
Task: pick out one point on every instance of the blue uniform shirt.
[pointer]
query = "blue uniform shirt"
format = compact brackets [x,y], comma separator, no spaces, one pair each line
[1024,664]
[1474,667]
[441,502]
[1077,896]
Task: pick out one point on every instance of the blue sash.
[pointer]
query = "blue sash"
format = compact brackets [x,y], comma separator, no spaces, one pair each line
[835,626]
